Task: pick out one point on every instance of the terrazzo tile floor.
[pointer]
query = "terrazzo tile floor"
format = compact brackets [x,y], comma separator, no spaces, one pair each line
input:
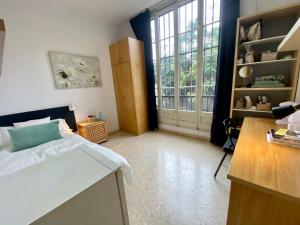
[173,179]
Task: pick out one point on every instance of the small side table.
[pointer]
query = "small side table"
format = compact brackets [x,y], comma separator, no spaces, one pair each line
[96,132]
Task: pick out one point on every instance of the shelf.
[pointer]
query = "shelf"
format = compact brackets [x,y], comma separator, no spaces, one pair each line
[291,42]
[265,89]
[268,62]
[263,41]
[252,111]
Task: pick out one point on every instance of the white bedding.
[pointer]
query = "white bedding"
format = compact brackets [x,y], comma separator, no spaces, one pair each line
[11,162]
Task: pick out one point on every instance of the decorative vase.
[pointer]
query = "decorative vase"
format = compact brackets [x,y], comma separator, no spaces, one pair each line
[101,116]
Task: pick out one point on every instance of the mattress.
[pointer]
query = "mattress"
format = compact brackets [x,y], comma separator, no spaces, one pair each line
[12,162]
[29,194]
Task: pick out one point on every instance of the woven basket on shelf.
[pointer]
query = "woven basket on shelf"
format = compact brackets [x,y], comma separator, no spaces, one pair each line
[268,56]
[264,107]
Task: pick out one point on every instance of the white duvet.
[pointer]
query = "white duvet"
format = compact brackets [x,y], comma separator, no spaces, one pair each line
[11,162]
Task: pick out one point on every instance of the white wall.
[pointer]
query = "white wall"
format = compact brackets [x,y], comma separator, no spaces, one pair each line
[249,7]
[27,83]
[125,30]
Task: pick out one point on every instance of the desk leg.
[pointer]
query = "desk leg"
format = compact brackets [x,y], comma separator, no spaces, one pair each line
[249,206]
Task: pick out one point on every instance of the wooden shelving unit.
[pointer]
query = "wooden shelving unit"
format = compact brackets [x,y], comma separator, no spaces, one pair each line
[276,28]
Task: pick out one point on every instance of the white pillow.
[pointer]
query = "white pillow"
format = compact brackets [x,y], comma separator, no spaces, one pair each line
[64,128]
[5,140]
[32,122]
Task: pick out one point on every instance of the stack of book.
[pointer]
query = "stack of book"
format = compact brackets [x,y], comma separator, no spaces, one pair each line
[269,81]
[284,136]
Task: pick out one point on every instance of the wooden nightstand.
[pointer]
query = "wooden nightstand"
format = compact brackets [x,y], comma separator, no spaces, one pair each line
[96,132]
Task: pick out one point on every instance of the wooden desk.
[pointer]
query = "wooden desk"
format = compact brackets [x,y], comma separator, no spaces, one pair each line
[265,179]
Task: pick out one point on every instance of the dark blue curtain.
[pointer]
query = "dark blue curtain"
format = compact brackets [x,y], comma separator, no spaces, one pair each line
[229,14]
[142,30]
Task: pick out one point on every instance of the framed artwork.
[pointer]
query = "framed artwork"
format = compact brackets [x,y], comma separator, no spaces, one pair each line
[75,71]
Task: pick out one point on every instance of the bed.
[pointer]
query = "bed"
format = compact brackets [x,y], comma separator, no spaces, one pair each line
[66,181]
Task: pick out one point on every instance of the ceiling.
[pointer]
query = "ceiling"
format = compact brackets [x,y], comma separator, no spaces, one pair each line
[112,11]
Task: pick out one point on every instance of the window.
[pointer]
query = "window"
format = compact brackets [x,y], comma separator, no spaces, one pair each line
[211,27]
[185,64]
[167,60]
[153,38]
[187,60]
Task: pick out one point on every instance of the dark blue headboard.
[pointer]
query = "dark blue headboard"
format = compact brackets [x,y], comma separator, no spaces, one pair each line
[54,113]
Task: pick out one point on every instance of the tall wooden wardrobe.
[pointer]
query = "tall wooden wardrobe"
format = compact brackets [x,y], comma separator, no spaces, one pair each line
[129,75]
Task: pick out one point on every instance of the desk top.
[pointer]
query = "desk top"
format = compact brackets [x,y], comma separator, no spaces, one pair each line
[268,167]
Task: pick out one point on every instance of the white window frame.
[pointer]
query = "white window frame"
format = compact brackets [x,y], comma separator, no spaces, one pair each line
[197,119]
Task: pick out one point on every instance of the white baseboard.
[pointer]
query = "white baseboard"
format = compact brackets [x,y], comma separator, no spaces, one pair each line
[185,131]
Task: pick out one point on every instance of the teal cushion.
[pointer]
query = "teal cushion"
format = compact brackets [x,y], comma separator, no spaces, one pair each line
[31,136]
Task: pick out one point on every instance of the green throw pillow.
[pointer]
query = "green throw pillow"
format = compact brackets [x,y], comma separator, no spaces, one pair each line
[31,136]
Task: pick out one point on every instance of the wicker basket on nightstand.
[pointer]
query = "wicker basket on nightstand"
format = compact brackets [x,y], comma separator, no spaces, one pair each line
[94,131]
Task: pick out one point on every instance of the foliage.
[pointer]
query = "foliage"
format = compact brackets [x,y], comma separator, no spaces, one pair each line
[187,65]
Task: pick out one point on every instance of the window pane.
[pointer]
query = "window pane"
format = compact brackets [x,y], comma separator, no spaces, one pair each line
[154,51]
[194,55]
[214,51]
[171,24]
[194,40]
[181,19]
[204,103]
[216,29]
[210,54]
[216,10]
[187,49]
[172,46]
[188,41]
[166,57]
[207,104]
[208,90]
[195,14]
[207,52]
[167,26]
[167,49]
[161,27]
[207,36]
[152,31]
[194,73]
[214,62]
[181,44]
[208,11]
[189,11]
[162,49]
[210,104]
[156,82]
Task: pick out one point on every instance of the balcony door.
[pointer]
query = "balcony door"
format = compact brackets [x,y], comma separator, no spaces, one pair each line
[185,49]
